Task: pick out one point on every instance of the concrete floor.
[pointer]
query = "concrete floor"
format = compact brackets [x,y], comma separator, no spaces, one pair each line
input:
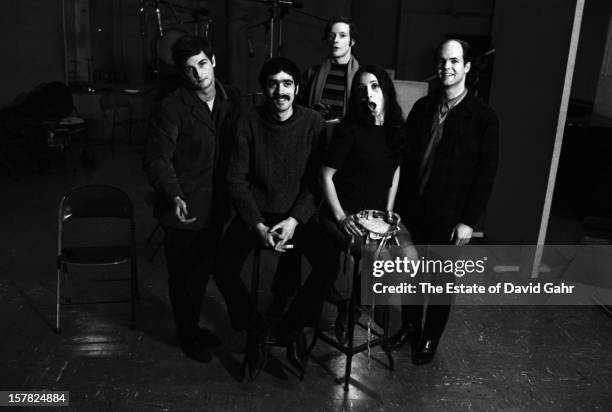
[490,358]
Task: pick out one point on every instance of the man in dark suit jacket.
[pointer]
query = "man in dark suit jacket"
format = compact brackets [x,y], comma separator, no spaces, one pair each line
[186,154]
[447,178]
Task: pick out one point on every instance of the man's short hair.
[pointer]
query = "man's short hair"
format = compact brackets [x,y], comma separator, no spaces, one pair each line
[189,45]
[465,46]
[341,19]
[277,65]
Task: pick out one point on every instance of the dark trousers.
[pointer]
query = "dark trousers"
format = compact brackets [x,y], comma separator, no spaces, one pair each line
[191,256]
[439,306]
[305,310]
[286,278]
[339,241]
[436,317]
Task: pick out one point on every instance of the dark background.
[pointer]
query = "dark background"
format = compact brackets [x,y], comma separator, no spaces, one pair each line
[95,41]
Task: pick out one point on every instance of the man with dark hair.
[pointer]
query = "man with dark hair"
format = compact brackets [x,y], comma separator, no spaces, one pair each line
[447,178]
[271,180]
[327,86]
[327,89]
[185,161]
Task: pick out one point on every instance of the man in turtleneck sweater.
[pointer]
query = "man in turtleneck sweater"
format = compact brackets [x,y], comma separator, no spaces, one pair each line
[326,88]
[271,179]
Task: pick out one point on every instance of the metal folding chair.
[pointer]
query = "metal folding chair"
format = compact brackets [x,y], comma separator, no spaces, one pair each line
[91,202]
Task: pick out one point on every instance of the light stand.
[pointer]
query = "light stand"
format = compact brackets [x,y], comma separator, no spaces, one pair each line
[274,23]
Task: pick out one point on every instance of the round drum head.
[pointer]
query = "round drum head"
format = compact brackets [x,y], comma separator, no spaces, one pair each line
[377,223]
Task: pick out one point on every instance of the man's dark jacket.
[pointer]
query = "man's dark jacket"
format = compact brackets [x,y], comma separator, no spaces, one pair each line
[463,170]
[186,155]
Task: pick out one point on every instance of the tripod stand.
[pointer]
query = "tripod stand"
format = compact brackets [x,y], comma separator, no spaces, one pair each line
[274,23]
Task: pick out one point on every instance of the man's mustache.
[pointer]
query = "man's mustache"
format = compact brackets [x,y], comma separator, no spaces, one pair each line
[281,96]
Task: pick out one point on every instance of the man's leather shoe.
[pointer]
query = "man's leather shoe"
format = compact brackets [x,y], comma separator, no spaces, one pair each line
[425,352]
[196,350]
[256,356]
[407,334]
[208,338]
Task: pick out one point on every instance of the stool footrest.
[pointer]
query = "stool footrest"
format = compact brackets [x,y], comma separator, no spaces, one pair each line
[380,341]
[372,330]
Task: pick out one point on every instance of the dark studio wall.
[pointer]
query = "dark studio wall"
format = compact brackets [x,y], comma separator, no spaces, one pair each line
[121,53]
[425,23]
[302,37]
[379,31]
[595,23]
[116,43]
[32,46]
[532,40]
[395,34]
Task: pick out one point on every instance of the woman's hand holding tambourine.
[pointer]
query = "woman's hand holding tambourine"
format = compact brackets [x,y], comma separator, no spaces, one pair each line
[350,226]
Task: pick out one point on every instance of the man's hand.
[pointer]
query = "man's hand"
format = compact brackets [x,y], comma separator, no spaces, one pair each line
[323,109]
[348,224]
[264,235]
[461,234]
[180,210]
[284,231]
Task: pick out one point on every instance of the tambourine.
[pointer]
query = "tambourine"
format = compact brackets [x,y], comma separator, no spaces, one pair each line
[377,224]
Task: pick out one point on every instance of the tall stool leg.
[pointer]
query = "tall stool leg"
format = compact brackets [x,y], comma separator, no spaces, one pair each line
[351,325]
[385,347]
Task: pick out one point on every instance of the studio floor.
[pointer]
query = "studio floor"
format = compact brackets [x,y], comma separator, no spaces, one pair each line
[490,358]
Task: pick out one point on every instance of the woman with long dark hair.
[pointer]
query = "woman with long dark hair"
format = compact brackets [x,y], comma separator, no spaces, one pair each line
[361,169]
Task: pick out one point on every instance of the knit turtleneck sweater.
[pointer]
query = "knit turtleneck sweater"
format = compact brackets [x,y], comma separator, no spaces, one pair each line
[273,165]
